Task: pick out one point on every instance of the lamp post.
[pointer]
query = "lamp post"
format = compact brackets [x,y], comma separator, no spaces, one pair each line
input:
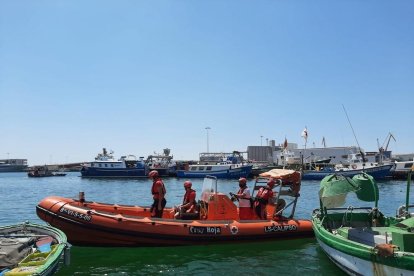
[261,140]
[207,129]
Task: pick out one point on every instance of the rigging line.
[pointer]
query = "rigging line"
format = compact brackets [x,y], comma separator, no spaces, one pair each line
[351,127]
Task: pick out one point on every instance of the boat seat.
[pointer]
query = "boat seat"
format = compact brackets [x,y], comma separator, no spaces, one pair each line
[367,236]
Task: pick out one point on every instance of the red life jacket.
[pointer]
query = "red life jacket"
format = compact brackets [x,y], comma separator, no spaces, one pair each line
[264,194]
[154,189]
[187,199]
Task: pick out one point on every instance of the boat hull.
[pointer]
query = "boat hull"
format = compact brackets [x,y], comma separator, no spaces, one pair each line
[356,266]
[98,224]
[244,171]
[379,172]
[92,172]
[13,168]
[47,263]
[359,259]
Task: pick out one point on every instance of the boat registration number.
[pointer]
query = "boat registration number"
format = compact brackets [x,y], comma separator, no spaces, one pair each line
[280,228]
[210,230]
[75,214]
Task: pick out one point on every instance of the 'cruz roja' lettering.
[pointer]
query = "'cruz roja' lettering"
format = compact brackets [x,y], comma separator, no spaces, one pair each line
[280,228]
[197,230]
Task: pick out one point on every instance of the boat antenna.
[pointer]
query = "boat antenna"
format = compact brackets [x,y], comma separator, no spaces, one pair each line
[349,121]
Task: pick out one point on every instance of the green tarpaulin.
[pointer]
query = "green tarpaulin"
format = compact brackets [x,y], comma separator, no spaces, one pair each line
[334,189]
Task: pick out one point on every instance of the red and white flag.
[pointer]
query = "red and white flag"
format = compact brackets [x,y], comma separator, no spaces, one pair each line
[305,134]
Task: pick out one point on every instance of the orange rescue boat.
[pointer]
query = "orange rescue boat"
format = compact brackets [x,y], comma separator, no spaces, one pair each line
[99,224]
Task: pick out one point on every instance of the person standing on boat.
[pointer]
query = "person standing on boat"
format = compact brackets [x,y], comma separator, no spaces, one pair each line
[263,198]
[189,202]
[158,194]
[243,197]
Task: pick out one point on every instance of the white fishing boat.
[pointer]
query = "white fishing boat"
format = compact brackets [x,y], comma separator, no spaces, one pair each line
[105,165]
[402,168]
[161,162]
[354,166]
[230,166]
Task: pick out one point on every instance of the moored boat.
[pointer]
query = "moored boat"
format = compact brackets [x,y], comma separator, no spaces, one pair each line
[13,165]
[162,163]
[222,170]
[361,240]
[99,224]
[31,249]
[402,168]
[105,165]
[43,171]
[356,165]
[377,172]
[220,165]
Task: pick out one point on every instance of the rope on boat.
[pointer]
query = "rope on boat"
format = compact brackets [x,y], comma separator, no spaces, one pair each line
[344,218]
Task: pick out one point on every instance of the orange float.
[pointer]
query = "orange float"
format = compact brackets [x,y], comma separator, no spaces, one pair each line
[99,224]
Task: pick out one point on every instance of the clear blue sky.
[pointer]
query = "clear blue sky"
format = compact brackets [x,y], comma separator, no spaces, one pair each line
[139,76]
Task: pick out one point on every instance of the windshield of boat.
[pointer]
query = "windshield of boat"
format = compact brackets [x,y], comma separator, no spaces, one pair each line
[209,187]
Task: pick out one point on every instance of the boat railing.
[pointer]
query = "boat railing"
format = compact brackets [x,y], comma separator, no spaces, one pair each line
[346,208]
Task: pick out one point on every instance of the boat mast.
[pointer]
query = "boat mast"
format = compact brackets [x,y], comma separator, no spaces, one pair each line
[407,199]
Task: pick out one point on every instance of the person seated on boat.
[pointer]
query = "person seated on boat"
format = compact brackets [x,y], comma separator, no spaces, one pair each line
[158,194]
[264,196]
[243,197]
[189,203]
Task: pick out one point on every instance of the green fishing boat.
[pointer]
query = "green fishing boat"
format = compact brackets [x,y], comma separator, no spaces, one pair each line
[31,249]
[361,240]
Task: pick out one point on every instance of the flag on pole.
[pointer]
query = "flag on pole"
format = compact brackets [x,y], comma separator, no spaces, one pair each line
[285,144]
[305,134]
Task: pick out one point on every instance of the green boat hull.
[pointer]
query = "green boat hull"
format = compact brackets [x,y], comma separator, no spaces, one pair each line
[36,261]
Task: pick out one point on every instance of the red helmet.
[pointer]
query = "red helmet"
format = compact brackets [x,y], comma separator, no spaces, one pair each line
[153,174]
[242,180]
[271,183]
[188,184]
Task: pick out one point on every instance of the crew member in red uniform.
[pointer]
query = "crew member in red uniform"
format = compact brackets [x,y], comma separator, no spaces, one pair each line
[243,197]
[189,201]
[158,194]
[264,196]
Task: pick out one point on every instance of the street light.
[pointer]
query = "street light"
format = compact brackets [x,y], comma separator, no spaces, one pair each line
[207,129]
[261,140]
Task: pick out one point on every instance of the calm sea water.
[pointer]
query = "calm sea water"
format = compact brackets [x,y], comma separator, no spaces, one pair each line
[20,194]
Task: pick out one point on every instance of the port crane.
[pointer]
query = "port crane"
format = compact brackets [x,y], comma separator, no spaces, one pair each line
[381,149]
